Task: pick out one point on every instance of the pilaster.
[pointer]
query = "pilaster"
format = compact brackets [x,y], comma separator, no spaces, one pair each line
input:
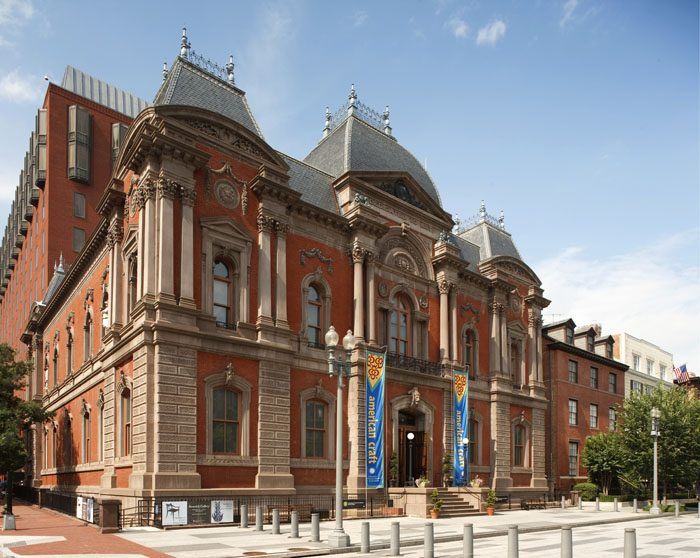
[281,276]
[187,198]
[539,478]
[356,480]
[358,256]
[500,434]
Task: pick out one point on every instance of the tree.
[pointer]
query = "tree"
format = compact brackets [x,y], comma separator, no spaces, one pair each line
[603,458]
[678,444]
[15,415]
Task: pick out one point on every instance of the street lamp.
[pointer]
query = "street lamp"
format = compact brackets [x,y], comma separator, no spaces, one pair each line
[410,437]
[655,433]
[340,368]
[465,469]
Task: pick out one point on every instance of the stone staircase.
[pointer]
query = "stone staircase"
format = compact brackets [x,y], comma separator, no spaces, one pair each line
[455,504]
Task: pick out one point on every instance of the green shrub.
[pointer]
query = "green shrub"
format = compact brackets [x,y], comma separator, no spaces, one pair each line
[611,498]
[588,491]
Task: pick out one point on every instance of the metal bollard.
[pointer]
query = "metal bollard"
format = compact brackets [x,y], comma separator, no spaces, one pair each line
[630,543]
[395,539]
[244,516]
[563,503]
[315,527]
[513,541]
[364,538]
[634,505]
[580,503]
[468,540]
[428,541]
[615,504]
[275,522]
[678,508]
[258,518]
[597,503]
[566,542]
[698,509]
[295,525]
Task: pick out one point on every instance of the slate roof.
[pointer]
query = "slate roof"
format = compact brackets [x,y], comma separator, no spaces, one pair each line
[313,185]
[190,85]
[491,241]
[468,250]
[354,145]
[102,93]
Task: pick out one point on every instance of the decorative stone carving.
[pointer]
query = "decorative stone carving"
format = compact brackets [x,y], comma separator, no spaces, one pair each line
[383,289]
[101,399]
[423,301]
[265,222]
[316,253]
[403,262]
[84,408]
[398,242]
[226,135]
[123,384]
[115,233]
[496,308]
[415,396]
[359,199]
[229,374]
[469,308]
[226,194]
[167,188]
[444,286]
[358,254]
[401,190]
[188,195]
[515,302]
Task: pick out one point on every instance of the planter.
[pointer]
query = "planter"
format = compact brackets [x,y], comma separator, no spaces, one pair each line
[490,510]
[434,514]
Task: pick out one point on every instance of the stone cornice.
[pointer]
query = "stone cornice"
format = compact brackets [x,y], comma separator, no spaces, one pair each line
[271,183]
[310,212]
[448,257]
[112,198]
[365,219]
[512,268]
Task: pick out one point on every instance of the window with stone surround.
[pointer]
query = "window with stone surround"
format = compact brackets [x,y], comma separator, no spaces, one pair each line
[228,414]
[315,309]
[69,354]
[636,362]
[86,438]
[317,437]
[132,282]
[46,447]
[400,326]
[520,436]
[470,347]
[124,409]
[88,335]
[473,441]
[223,292]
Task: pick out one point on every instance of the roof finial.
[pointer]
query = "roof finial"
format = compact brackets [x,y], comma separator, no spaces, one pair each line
[165,70]
[184,43]
[482,211]
[352,99]
[229,69]
[327,127]
[60,262]
[502,220]
[385,116]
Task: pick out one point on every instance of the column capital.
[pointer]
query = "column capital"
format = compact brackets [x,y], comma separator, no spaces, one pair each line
[167,188]
[358,253]
[187,195]
[115,233]
[444,286]
[265,223]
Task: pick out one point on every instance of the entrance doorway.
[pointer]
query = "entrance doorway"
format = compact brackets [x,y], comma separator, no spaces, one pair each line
[413,455]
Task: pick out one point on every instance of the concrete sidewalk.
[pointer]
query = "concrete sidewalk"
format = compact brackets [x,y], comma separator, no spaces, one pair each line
[72,538]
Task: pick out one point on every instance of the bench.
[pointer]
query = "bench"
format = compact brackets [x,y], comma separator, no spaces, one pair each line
[533,504]
[304,512]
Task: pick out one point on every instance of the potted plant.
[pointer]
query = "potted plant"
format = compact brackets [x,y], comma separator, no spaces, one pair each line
[437,504]
[394,469]
[447,469]
[422,482]
[477,482]
[490,501]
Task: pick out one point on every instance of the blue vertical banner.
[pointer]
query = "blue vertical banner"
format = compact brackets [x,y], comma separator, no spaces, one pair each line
[460,390]
[376,364]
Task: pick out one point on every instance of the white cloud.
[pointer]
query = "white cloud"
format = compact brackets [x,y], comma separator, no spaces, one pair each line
[13,12]
[20,89]
[648,293]
[457,26]
[491,33]
[359,18]
[569,8]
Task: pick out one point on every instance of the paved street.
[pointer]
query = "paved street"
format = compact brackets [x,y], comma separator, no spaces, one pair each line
[45,533]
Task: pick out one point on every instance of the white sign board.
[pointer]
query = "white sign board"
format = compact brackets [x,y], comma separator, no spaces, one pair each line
[222,511]
[174,512]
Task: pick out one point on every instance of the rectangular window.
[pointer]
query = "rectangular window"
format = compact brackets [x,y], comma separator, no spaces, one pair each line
[79,205]
[79,140]
[573,372]
[590,344]
[118,135]
[78,239]
[650,367]
[594,377]
[126,422]
[569,336]
[594,415]
[40,149]
[608,350]
[636,387]
[662,371]
[612,419]
[315,428]
[473,441]
[573,459]
[636,362]
[225,421]
[519,446]
[86,437]
[612,382]
[573,412]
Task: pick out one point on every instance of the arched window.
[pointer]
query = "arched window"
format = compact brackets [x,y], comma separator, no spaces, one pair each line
[69,354]
[46,447]
[125,420]
[86,438]
[314,316]
[132,272]
[315,428]
[55,366]
[519,446]
[88,336]
[223,293]
[400,326]
[225,421]
[470,350]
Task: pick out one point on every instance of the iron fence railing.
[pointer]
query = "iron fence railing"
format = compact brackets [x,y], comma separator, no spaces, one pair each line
[68,503]
[406,362]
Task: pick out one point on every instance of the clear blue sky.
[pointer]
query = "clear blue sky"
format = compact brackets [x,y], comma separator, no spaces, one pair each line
[577,118]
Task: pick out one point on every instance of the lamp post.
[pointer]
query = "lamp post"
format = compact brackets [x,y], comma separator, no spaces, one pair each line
[340,368]
[655,433]
[410,437]
[465,453]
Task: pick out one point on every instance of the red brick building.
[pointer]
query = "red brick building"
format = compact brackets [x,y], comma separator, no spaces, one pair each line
[584,387]
[182,349]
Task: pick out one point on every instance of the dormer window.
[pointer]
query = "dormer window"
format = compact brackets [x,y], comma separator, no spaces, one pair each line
[590,343]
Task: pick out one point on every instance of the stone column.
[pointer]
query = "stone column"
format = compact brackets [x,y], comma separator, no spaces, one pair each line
[539,478]
[371,300]
[538,338]
[265,225]
[358,255]
[166,261]
[454,352]
[505,361]
[532,345]
[495,337]
[38,375]
[281,276]
[187,197]
[444,289]
[356,440]
[147,219]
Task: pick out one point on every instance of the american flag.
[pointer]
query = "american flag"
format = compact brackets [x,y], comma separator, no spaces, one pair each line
[681,374]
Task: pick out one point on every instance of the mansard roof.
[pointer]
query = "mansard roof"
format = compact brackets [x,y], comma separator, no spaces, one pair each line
[355,145]
[314,185]
[190,84]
